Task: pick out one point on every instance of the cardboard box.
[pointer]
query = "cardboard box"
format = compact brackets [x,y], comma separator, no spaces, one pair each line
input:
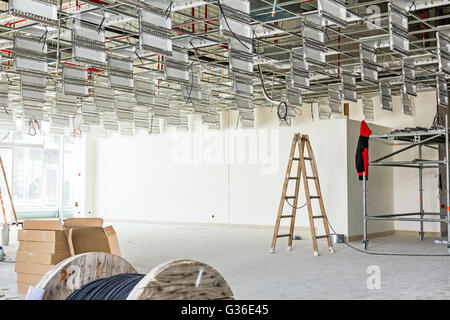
[114,247]
[83,222]
[32,268]
[42,225]
[88,235]
[89,240]
[41,235]
[45,243]
[44,246]
[41,258]
[32,279]
[22,288]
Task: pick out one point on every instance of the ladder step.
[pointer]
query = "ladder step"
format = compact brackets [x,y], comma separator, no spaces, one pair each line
[287,216]
[283,235]
[290,197]
[296,159]
[307,158]
[321,237]
[311,177]
[317,217]
[315,197]
[293,178]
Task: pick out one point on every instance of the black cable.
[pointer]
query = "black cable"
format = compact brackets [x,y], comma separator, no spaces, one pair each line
[226,21]
[117,287]
[191,84]
[151,125]
[293,206]
[198,60]
[390,254]
[169,10]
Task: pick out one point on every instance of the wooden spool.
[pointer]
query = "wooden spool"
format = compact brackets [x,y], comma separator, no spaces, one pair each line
[74,272]
[173,280]
[182,280]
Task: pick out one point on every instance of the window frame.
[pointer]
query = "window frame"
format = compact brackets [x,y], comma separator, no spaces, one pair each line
[58,209]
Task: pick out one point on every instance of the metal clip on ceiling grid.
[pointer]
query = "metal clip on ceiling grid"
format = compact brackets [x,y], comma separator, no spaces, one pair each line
[88,43]
[144,93]
[348,85]
[124,108]
[386,95]
[177,66]
[66,104]
[313,40]
[161,107]
[104,98]
[367,106]
[334,11]
[89,113]
[398,29]
[75,81]
[155,30]
[369,66]
[409,77]
[42,11]
[335,97]
[235,19]
[324,109]
[120,73]
[406,104]
[443,51]
[192,91]
[110,122]
[293,94]
[299,69]
[30,55]
[442,91]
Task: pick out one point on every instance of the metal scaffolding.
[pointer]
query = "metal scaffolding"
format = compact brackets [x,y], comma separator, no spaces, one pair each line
[410,139]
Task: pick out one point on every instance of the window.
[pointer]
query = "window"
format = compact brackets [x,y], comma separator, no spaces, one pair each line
[40,174]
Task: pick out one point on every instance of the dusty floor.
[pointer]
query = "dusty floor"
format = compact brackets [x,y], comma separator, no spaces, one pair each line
[241,255]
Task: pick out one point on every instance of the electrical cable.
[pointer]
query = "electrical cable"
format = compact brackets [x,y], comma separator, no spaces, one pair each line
[151,125]
[168,11]
[371,252]
[198,60]
[295,207]
[191,84]
[117,287]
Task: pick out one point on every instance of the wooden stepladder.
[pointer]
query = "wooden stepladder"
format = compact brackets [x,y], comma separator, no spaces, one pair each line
[9,194]
[300,142]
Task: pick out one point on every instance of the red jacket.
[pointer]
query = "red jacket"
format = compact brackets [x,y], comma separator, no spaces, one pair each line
[362,151]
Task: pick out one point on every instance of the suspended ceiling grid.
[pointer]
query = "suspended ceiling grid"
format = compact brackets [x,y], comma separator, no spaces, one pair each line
[275,37]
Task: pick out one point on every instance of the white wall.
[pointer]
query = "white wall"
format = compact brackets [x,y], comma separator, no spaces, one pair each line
[182,178]
[193,177]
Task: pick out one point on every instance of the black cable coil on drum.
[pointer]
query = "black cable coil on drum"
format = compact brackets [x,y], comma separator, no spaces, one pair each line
[117,287]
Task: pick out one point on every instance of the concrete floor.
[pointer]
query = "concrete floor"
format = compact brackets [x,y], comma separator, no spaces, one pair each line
[241,255]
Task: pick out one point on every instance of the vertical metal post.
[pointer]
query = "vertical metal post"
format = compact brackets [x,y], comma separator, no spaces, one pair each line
[421,233]
[365,241]
[447,177]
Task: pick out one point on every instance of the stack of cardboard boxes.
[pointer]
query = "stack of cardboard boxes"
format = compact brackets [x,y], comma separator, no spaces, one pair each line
[45,243]
[42,244]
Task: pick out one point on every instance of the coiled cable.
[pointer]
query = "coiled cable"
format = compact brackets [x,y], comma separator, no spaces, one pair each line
[117,287]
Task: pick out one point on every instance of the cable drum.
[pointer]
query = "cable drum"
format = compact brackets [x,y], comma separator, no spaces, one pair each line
[104,276]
